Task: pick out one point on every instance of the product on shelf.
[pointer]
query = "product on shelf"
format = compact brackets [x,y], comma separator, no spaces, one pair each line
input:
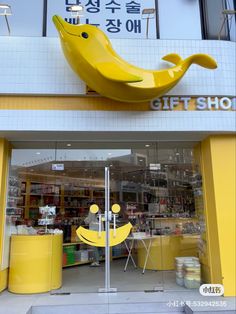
[48,214]
[69,252]
[14,200]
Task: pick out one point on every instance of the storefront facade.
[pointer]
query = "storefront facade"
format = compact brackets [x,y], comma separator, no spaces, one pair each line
[45,106]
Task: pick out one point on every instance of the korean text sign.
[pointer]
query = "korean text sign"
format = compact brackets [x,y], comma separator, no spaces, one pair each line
[117,18]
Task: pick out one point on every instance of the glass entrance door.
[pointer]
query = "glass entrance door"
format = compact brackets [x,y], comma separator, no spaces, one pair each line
[156,188]
[134,261]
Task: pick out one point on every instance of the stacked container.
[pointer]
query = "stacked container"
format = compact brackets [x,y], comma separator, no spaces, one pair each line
[188,272]
[192,274]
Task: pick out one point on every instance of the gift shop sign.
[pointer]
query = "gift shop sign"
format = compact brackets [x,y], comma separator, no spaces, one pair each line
[193,103]
[117,18]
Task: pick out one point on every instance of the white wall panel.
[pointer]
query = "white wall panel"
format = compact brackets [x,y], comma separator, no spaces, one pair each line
[179,19]
[116,121]
[31,65]
[26,18]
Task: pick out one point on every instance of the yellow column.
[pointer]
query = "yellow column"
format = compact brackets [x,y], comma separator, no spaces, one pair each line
[4,157]
[218,169]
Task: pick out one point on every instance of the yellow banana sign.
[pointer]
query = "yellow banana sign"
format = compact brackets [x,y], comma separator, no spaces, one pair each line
[95,238]
[90,54]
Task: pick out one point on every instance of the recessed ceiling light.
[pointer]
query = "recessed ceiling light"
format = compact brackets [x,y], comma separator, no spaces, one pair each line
[177,154]
[147,145]
[38,153]
[69,145]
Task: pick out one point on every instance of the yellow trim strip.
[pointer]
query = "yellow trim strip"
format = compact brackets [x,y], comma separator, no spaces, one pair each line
[67,103]
[92,103]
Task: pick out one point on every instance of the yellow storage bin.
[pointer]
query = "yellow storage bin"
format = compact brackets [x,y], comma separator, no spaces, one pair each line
[35,263]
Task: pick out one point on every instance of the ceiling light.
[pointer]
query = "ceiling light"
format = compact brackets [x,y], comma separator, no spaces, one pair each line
[147,145]
[5,10]
[76,8]
[69,145]
[76,11]
[148,14]
[38,153]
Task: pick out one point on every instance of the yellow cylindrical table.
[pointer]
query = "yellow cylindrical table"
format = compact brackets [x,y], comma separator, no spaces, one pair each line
[165,248]
[35,263]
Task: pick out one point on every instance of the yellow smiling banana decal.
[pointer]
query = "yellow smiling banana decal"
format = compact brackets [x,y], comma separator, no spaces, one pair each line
[91,56]
[98,238]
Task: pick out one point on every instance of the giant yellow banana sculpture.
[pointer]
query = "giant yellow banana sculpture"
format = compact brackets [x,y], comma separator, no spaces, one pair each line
[91,56]
[93,238]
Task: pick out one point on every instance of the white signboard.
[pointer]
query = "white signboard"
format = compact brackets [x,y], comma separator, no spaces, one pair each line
[117,18]
[58,167]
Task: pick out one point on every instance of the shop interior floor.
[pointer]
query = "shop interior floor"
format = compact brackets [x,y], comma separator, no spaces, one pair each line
[90,279]
[79,292]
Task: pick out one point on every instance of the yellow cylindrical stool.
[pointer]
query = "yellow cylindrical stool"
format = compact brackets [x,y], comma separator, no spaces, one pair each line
[35,263]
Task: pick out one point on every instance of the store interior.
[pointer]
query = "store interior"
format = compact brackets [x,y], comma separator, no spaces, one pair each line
[158,187]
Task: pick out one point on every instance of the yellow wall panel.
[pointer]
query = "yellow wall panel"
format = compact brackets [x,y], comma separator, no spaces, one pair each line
[218,159]
[4,158]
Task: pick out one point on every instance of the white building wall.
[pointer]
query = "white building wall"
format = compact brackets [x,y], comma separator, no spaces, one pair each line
[112,126]
[117,121]
[231,20]
[26,18]
[179,19]
[31,65]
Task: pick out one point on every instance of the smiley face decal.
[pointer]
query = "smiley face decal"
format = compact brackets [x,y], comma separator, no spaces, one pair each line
[98,238]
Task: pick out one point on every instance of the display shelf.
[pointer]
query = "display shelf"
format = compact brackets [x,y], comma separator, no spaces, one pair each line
[77,196]
[82,263]
[72,243]
[42,194]
[77,263]
[66,197]
[173,218]
[119,256]
[74,207]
